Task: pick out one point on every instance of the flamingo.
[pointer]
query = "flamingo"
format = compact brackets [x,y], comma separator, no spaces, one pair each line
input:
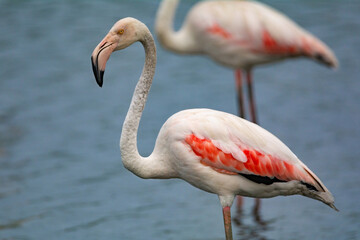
[215,151]
[239,35]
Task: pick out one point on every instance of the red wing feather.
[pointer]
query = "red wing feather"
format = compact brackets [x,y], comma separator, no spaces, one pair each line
[256,163]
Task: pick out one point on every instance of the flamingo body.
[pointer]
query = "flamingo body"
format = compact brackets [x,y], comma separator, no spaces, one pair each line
[214,151]
[239,34]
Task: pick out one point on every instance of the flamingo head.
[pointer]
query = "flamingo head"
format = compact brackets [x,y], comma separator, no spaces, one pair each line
[124,33]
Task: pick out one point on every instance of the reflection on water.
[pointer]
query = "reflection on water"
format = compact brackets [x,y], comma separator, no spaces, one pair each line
[61,175]
[251,226]
[253,230]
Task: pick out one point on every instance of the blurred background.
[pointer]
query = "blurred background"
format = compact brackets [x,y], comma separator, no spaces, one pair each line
[61,175]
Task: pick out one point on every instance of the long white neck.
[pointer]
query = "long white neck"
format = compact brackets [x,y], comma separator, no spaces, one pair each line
[148,167]
[180,41]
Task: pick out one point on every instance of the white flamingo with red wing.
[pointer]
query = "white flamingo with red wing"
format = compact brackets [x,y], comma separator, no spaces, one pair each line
[215,151]
[239,35]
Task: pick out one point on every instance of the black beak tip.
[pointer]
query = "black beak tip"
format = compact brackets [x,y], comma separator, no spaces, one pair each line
[99,75]
[99,78]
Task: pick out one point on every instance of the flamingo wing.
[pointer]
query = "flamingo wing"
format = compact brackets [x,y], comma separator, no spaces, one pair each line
[250,161]
[253,27]
[231,145]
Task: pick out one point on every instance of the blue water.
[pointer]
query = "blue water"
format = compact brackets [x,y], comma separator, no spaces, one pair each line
[61,175]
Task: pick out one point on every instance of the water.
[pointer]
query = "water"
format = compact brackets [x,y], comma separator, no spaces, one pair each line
[61,175]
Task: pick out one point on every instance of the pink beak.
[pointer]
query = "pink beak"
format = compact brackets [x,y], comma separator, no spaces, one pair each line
[100,56]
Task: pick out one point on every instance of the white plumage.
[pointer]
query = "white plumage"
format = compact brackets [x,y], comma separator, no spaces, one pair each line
[239,35]
[192,143]
[234,34]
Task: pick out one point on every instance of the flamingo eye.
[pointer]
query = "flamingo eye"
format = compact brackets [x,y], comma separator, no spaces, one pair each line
[121,31]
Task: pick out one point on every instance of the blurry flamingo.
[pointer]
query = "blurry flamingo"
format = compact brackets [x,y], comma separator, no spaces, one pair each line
[239,35]
[215,151]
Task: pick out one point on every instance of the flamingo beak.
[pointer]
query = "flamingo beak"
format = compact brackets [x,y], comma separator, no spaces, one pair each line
[101,55]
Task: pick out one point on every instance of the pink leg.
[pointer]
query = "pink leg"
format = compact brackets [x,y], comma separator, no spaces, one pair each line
[240,95]
[254,119]
[251,97]
[256,207]
[239,203]
[227,223]
[241,112]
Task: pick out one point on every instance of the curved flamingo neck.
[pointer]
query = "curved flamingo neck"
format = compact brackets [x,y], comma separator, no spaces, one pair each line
[128,140]
[180,41]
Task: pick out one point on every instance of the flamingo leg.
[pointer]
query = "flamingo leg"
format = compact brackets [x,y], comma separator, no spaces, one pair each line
[239,203]
[241,112]
[252,107]
[252,104]
[257,208]
[227,222]
[240,95]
